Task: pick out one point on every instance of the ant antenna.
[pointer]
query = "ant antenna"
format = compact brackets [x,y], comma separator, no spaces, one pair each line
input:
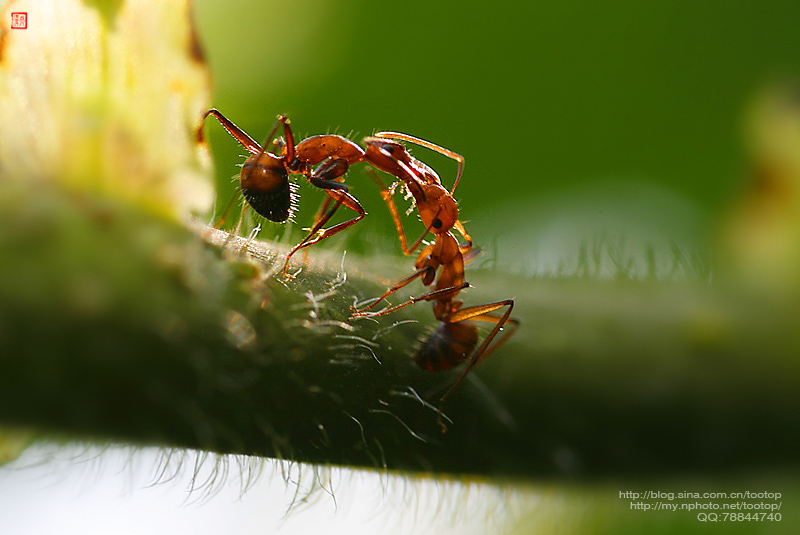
[428,145]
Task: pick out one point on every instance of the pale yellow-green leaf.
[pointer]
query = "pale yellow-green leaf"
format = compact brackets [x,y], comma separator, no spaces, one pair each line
[761,242]
[106,101]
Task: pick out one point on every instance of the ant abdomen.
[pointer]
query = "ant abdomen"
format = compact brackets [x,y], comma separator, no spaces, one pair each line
[447,347]
[277,205]
[267,189]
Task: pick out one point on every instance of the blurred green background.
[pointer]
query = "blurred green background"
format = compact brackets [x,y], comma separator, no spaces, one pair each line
[639,102]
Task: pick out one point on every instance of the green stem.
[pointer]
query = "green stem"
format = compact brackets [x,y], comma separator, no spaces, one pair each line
[117,326]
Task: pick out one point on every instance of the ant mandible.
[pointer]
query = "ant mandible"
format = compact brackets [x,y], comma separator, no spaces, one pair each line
[456,337]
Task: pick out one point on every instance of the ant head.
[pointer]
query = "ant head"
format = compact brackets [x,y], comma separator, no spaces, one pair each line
[265,185]
[439,211]
[385,155]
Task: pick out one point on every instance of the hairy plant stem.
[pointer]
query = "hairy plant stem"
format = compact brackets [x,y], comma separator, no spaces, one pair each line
[116,325]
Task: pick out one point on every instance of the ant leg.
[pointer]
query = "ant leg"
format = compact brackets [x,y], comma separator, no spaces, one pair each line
[338,192]
[388,197]
[481,313]
[444,293]
[318,233]
[248,142]
[252,146]
[469,253]
[288,149]
[323,209]
[461,230]
[327,176]
[321,212]
[240,135]
[357,312]
[224,216]
[484,313]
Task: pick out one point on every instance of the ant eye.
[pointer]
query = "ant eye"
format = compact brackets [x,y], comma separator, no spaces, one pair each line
[437,223]
[388,148]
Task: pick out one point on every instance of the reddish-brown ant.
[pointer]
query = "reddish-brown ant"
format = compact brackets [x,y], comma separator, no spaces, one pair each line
[265,185]
[456,337]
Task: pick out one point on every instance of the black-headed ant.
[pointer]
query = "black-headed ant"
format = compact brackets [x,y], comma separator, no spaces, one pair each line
[264,179]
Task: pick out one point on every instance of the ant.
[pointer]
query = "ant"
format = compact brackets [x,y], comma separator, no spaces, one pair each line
[456,336]
[264,179]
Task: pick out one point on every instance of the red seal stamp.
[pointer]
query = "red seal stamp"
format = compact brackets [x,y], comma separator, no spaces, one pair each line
[19,21]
